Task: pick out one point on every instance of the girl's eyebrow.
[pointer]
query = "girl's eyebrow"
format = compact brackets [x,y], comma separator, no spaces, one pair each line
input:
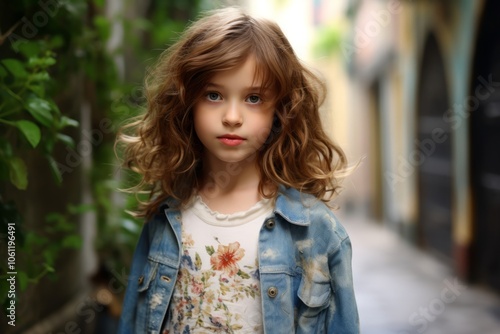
[217,86]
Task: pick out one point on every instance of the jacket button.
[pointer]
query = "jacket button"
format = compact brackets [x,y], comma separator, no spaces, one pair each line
[165,278]
[140,280]
[270,224]
[272,292]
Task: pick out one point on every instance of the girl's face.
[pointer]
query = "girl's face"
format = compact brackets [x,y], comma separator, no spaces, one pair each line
[234,116]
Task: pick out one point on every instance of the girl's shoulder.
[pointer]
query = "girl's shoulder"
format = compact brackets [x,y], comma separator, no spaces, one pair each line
[301,204]
[307,210]
[159,218]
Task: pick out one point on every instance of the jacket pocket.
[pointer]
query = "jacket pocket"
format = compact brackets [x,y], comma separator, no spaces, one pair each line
[311,313]
[315,296]
[151,301]
[147,276]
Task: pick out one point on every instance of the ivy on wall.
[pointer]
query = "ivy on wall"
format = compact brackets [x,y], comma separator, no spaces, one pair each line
[31,121]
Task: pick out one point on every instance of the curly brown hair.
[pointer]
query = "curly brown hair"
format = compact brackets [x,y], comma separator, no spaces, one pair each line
[162,146]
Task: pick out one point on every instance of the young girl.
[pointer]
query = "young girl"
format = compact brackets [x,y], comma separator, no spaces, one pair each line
[238,236]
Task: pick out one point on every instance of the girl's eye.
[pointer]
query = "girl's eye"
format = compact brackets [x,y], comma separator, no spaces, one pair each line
[254,99]
[212,96]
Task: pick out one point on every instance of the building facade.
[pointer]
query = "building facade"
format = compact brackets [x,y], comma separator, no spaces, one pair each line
[426,76]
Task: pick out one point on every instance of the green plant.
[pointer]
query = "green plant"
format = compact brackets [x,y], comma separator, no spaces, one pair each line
[32,124]
[28,116]
[145,38]
[31,120]
[327,41]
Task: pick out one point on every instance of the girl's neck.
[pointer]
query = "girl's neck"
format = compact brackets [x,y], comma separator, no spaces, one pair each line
[230,187]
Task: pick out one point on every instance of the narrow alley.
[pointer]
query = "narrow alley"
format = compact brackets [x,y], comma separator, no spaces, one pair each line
[402,290]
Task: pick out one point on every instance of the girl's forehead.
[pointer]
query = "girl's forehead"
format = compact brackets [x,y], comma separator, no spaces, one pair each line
[249,69]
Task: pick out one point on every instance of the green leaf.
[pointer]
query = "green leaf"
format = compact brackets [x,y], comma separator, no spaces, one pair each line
[29,48]
[54,107]
[72,241]
[30,130]
[3,72]
[65,225]
[197,262]
[210,250]
[56,42]
[23,280]
[66,121]
[99,3]
[81,208]
[243,274]
[54,217]
[40,110]
[5,148]
[67,140]
[49,61]
[34,62]
[15,67]
[49,268]
[103,26]
[49,143]
[49,257]
[33,238]
[54,167]
[37,89]
[41,76]
[18,173]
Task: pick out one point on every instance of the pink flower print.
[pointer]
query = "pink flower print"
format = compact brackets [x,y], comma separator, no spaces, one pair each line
[196,287]
[226,258]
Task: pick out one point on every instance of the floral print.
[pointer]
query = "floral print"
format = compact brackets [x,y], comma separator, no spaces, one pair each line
[214,298]
[226,258]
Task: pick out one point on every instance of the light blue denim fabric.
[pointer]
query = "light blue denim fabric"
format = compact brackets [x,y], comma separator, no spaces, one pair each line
[304,264]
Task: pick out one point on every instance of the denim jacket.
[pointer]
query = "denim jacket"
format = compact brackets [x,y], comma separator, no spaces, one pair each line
[304,265]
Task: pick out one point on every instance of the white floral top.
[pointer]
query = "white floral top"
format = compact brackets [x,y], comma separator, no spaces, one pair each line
[218,289]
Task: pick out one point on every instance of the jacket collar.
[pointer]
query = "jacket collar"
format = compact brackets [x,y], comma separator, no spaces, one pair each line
[291,205]
[294,206]
[170,203]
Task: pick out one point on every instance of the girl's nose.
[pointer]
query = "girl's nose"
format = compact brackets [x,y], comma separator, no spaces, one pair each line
[232,115]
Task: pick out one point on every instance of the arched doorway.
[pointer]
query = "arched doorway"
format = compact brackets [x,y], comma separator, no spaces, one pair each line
[485,150]
[432,153]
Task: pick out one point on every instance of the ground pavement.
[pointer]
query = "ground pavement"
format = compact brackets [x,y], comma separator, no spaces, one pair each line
[402,290]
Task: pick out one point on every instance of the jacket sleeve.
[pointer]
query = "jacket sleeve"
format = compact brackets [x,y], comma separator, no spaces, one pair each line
[343,312]
[129,309]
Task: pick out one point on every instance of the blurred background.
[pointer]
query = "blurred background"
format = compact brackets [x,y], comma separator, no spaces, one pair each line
[414,95]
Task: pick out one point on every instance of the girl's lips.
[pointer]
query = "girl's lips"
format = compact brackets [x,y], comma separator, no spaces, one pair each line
[231,140]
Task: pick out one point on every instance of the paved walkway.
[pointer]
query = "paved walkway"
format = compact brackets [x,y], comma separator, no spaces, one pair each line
[401,290]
